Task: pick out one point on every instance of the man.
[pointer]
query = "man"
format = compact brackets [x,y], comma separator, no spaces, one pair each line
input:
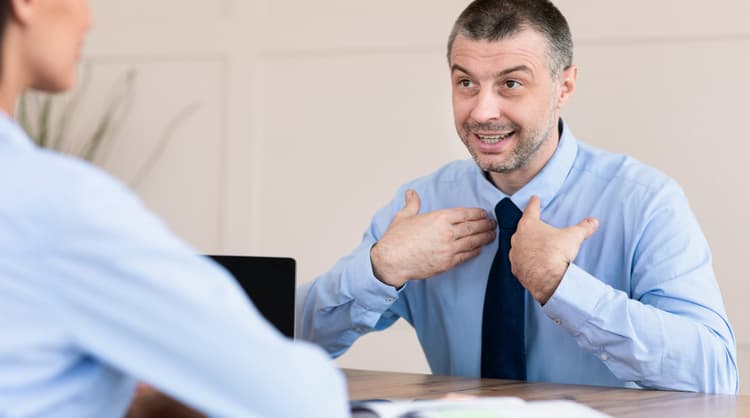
[96,293]
[606,278]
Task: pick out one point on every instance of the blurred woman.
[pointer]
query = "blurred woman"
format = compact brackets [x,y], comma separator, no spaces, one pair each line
[97,294]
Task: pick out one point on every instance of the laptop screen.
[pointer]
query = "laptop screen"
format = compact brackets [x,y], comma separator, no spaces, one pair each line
[269,282]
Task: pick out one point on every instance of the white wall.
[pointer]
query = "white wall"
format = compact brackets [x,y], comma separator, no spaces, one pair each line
[312,113]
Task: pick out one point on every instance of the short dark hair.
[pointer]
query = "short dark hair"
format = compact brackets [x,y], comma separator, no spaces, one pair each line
[493,20]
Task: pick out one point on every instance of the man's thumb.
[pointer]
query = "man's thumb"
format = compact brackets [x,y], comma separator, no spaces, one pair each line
[587,227]
[411,205]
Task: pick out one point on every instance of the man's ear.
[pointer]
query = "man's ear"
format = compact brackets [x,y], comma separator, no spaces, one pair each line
[567,84]
[22,10]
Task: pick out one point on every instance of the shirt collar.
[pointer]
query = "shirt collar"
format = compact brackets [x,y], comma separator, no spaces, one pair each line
[546,184]
[12,133]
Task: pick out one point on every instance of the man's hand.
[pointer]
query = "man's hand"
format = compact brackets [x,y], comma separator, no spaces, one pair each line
[420,246]
[540,254]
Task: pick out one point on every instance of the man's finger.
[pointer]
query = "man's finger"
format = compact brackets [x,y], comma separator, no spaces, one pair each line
[411,205]
[533,209]
[474,242]
[462,257]
[474,227]
[459,215]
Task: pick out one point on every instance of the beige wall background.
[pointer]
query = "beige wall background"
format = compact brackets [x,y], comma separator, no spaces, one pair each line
[289,123]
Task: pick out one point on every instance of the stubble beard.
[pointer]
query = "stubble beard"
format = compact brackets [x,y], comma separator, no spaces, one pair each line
[529,141]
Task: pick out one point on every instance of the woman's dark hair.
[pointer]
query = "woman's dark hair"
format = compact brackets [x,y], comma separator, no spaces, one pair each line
[4,15]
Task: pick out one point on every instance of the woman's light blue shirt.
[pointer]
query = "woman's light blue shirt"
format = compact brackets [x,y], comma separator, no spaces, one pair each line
[96,293]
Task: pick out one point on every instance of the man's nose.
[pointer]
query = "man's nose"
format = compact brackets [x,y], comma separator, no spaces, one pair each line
[488,106]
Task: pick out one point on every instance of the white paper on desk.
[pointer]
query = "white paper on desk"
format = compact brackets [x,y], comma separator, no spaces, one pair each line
[493,407]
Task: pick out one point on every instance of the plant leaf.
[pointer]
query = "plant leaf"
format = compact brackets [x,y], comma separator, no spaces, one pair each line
[23,116]
[44,119]
[63,122]
[161,144]
[121,94]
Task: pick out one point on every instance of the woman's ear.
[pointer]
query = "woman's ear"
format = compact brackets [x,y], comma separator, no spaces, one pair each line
[22,10]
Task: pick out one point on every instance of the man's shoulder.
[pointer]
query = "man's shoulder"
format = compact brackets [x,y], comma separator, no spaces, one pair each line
[619,169]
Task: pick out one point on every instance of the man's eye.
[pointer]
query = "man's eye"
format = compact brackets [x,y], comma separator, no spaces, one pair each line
[465,83]
[512,84]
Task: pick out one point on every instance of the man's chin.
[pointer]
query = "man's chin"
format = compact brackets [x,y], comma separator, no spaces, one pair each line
[494,166]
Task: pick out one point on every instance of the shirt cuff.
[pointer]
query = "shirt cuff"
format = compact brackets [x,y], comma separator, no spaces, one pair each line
[369,292]
[575,299]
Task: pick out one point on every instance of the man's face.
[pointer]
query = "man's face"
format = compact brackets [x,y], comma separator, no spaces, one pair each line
[505,102]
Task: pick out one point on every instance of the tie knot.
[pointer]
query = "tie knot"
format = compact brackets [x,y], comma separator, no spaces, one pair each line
[507,214]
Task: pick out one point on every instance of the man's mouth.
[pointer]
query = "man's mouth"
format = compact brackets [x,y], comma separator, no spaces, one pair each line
[494,139]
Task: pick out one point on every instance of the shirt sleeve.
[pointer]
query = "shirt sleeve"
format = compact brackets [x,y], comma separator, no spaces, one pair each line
[669,330]
[136,298]
[348,301]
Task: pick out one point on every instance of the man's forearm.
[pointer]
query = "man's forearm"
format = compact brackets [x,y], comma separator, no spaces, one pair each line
[655,341]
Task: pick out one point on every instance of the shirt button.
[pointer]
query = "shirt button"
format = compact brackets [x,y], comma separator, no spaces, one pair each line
[604,356]
[389,300]
[558,321]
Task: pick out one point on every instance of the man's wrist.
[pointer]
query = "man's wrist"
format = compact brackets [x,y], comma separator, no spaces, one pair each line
[543,289]
[380,270]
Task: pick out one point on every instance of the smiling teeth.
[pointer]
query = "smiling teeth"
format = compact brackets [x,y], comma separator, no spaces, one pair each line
[493,139]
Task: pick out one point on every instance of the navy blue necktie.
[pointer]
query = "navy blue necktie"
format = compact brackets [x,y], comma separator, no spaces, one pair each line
[503,349]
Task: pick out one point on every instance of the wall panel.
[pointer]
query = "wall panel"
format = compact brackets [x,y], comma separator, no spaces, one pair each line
[162,11]
[340,134]
[182,134]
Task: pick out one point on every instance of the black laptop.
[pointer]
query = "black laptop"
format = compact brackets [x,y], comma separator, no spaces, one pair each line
[269,282]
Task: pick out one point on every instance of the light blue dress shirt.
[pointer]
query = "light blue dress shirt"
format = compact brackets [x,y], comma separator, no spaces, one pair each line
[638,307]
[96,293]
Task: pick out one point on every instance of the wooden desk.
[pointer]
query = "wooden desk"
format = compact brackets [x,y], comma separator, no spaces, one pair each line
[365,384]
